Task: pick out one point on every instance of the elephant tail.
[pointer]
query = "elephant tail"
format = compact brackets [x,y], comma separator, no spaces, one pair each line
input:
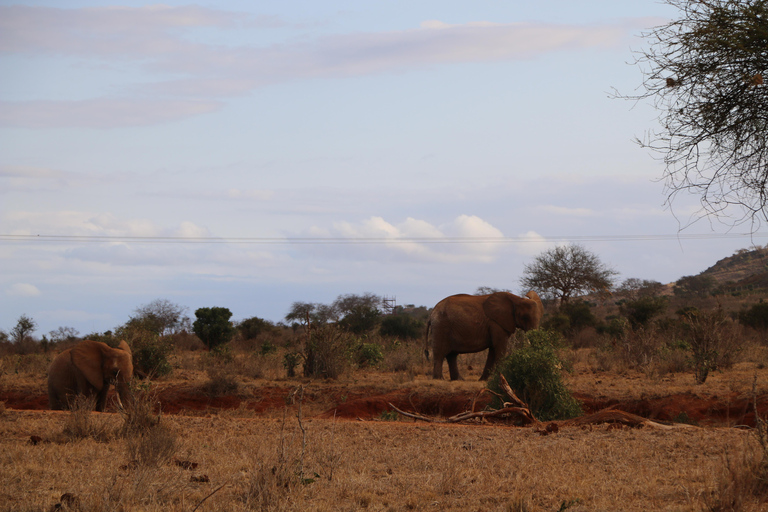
[426,338]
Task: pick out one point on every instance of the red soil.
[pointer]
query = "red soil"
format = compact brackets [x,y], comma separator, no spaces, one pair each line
[365,403]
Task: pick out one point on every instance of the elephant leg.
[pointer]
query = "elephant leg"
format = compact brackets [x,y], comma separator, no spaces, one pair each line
[101,398]
[437,365]
[54,403]
[489,364]
[453,365]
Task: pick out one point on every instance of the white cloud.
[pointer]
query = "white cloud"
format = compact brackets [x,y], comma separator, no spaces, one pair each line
[190,230]
[466,238]
[23,290]
[79,223]
[532,244]
[100,113]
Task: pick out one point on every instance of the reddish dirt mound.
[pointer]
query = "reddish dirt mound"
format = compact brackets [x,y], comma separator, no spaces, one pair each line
[430,404]
[24,400]
[369,403]
[732,409]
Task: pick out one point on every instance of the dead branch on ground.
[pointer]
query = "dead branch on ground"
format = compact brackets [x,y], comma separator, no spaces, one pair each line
[516,407]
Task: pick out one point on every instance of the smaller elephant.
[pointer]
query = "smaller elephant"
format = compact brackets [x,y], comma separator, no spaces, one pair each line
[88,369]
[462,324]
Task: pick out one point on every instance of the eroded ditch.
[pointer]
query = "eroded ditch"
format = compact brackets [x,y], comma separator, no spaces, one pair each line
[728,410]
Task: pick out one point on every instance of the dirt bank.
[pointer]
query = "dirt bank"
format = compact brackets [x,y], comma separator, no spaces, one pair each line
[370,403]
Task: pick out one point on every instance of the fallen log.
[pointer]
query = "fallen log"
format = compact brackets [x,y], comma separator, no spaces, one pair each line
[520,409]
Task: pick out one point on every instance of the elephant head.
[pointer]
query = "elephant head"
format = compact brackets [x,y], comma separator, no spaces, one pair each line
[89,368]
[462,324]
[512,312]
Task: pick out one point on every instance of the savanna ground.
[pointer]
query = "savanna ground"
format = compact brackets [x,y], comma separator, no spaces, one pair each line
[262,441]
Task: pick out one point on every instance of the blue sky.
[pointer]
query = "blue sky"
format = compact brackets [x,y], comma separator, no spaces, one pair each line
[389,123]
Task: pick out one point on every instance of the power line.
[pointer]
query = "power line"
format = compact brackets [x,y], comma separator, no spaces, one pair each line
[75,239]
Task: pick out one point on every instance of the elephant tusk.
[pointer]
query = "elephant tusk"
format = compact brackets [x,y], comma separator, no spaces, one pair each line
[119,402]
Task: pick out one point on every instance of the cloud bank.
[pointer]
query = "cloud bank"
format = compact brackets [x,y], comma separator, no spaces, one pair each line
[178,74]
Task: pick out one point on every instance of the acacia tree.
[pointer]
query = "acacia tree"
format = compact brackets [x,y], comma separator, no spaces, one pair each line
[360,313]
[566,271]
[705,72]
[24,328]
[162,317]
[312,313]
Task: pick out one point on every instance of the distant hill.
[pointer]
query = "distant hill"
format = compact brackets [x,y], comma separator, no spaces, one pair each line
[745,270]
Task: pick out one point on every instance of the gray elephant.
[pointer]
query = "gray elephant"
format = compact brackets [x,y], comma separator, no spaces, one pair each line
[462,324]
[88,369]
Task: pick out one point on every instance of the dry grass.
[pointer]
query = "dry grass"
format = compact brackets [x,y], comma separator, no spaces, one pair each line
[238,460]
[370,465]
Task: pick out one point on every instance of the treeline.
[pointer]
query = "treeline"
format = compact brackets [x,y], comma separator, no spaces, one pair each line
[326,339]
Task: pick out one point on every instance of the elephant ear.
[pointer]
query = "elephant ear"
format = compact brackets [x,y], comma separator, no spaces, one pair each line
[87,357]
[539,306]
[499,308]
[124,346]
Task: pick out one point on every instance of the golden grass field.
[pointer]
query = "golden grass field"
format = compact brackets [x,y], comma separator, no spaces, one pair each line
[258,449]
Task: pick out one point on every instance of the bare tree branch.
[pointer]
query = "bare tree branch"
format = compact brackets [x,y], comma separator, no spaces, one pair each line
[705,72]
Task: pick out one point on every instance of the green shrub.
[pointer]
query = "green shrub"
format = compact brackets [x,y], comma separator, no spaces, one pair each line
[579,315]
[755,317]
[360,319]
[251,328]
[369,354]
[267,347]
[150,355]
[290,362]
[533,373]
[404,327]
[615,327]
[558,322]
[213,326]
[640,312]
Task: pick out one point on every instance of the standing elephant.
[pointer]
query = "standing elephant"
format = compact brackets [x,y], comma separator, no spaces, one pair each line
[461,324]
[88,369]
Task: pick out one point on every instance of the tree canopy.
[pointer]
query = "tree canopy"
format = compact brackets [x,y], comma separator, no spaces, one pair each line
[567,271]
[705,72]
[213,327]
[24,328]
[162,317]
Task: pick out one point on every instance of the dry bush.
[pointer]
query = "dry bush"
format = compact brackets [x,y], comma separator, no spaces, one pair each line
[33,365]
[149,441]
[143,414]
[273,483]
[404,357]
[81,422]
[219,383]
[742,482]
[641,348]
[328,352]
[153,447]
[254,365]
[714,339]
[585,338]
[186,341]
[674,360]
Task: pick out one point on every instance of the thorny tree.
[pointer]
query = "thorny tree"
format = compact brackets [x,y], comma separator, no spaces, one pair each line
[566,271]
[706,74]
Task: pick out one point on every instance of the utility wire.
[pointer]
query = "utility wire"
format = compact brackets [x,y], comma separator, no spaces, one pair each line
[73,239]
